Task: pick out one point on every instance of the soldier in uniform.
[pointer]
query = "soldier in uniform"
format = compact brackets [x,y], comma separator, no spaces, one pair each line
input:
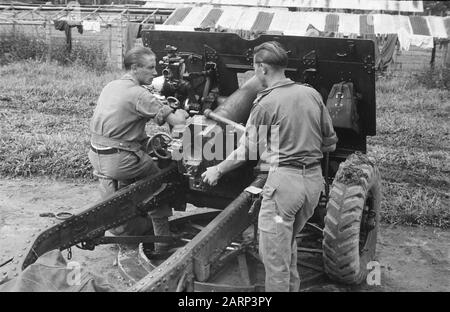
[292,157]
[118,133]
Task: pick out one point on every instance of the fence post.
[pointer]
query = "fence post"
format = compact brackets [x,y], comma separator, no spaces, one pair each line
[48,39]
[110,40]
[433,54]
[14,28]
[121,44]
[446,58]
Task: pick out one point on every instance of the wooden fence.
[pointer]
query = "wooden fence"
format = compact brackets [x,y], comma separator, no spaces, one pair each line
[38,22]
[110,37]
[408,63]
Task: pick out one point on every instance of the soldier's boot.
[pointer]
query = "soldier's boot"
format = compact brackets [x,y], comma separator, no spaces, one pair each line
[161,228]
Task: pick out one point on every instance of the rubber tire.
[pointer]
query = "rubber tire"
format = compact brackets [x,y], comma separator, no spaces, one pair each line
[342,260]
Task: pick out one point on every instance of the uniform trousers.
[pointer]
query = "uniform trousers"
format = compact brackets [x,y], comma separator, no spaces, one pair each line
[127,167]
[289,198]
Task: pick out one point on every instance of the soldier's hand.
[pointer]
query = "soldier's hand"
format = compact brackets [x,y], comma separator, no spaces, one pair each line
[177,118]
[182,113]
[211,175]
[329,148]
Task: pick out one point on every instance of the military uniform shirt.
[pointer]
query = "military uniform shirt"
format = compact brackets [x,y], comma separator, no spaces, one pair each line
[300,125]
[123,109]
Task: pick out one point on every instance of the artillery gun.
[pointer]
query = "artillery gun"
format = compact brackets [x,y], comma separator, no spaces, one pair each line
[205,74]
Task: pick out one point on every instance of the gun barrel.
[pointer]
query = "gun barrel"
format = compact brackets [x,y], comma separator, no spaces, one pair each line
[238,105]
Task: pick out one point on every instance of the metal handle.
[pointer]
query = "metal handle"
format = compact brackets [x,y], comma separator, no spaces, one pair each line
[211,115]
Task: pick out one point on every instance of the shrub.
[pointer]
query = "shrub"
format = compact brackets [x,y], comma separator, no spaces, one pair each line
[88,54]
[20,46]
[435,78]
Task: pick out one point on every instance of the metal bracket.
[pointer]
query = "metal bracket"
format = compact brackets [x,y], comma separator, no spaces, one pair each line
[309,60]
[369,64]
[249,55]
[210,54]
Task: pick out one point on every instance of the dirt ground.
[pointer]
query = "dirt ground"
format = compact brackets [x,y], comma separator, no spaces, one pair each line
[411,258]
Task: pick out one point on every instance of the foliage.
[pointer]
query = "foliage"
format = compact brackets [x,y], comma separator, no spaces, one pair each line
[438,77]
[436,7]
[19,46]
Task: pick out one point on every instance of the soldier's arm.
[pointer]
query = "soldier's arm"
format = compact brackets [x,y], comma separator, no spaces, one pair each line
[329,138]
[150,106]
[248,143]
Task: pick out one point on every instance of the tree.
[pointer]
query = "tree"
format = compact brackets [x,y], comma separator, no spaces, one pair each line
[436,7]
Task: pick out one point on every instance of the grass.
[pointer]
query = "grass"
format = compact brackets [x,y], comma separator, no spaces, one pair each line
[44,131]
[412,149]
[44,118]
[17,46]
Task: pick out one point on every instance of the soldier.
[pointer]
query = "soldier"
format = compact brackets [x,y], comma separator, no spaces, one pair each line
[118,132]
[294,183]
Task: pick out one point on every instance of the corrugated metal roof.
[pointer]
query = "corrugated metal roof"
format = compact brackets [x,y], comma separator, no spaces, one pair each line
[316,19]
[349,23]
[402,22]
[195,16]
[229,18]
[262,22]
[385,5]
[249,21]
[437,26]
[382,23]
[366,24]
[447,25]
[177,16]
[332,23]
[419,25]
[212,18]
[280,21]
[298,23]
